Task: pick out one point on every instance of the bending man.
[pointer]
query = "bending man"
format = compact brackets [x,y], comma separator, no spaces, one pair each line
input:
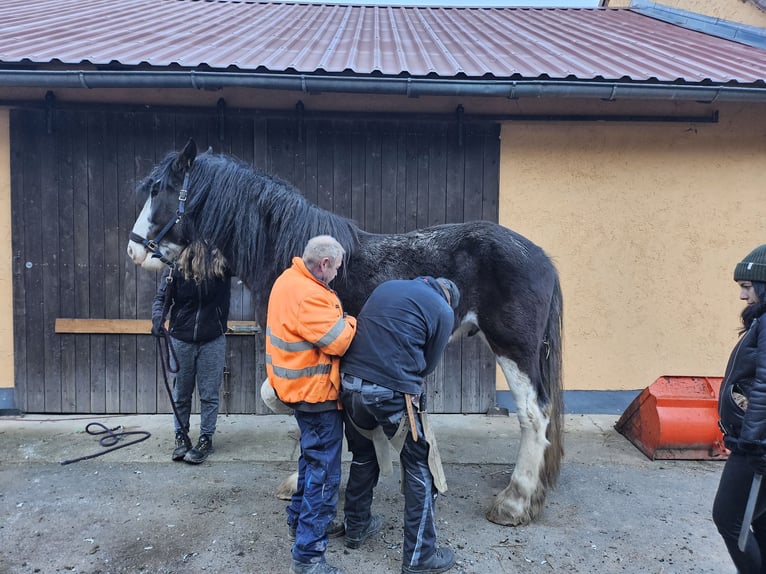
[402,332]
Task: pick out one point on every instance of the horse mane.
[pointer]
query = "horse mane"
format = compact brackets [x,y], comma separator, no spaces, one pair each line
[259,221]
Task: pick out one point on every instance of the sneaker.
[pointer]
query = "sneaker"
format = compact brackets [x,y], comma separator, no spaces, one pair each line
[334,530]
[355,539]
[314,568]
[440,561]
[200,452]
[183,445]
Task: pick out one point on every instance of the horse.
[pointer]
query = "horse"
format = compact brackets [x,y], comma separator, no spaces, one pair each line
[510,289]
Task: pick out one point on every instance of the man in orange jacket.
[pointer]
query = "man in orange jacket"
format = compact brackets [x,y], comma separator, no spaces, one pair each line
[306,334]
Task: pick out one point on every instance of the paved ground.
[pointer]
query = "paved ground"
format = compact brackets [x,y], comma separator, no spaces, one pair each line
[134,510]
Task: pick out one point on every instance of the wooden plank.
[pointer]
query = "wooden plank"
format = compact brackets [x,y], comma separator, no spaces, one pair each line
[18,132]
[305,160]
[66,266]
[411,183]
[326,168]
[281,137]
[33,261]
[81,247]
[111,133]
[49,297]
[388,179]
[357,175]
[135,326]
[437,176]
[401,180]
[455,178]
[373,187]
[128,207]
[95,272]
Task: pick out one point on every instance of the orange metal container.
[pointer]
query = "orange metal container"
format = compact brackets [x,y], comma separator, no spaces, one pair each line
[676,418]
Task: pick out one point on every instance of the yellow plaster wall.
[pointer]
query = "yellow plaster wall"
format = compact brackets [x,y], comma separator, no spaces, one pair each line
[645,223]
[6,273]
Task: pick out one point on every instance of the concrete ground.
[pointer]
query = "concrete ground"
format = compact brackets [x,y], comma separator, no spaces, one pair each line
[134,510]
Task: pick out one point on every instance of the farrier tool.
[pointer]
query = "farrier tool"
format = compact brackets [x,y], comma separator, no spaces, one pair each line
[747,520]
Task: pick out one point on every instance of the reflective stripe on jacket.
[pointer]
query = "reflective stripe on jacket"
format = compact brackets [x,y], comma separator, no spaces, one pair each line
[306,333]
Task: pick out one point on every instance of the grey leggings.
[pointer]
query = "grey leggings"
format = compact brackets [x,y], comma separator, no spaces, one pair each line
[201,363]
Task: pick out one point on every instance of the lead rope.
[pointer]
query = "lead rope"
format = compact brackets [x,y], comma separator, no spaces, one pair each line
[112,438]
[169,352]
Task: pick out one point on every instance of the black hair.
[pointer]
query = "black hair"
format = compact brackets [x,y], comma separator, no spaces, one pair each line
[750,312]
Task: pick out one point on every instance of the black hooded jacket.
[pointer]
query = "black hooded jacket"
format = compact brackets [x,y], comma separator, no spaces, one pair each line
[198,311]
[745,428]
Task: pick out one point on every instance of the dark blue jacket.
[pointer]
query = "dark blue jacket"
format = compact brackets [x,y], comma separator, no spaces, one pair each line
[401,333]
[745,430]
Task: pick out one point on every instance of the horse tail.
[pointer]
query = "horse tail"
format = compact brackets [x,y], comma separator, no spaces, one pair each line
[550,369]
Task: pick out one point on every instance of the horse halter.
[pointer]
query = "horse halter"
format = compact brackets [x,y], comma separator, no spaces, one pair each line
[152,245]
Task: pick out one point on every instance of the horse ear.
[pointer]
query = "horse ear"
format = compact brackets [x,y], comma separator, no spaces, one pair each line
[186,156]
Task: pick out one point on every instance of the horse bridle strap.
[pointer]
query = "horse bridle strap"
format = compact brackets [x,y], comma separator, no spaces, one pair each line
[153,245]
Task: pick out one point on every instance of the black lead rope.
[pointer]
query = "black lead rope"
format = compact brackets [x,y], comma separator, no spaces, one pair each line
[166,354]
[110,439]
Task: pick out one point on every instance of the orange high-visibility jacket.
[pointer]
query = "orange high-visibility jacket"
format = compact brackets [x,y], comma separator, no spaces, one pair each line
[306,333]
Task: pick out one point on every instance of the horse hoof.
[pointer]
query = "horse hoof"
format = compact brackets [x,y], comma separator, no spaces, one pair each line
[287,488]
[507,512]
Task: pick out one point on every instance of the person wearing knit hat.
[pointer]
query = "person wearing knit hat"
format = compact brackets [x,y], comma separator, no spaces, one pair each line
[742,411]
[753,266]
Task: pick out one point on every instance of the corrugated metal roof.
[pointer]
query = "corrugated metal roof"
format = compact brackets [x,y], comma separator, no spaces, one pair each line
[582,44]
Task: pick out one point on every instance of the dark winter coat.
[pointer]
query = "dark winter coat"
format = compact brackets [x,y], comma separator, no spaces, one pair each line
[745,428]
[401,333]
[198,311]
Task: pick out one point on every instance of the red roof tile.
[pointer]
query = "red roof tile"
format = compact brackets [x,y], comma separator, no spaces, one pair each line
[573,44]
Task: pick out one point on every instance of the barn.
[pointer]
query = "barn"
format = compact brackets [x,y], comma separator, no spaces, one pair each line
[627,141]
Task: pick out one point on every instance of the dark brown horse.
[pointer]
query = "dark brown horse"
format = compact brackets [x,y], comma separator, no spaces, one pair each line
[510,289]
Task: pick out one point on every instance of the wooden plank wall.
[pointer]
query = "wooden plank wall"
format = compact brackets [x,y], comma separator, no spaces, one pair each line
[72,182]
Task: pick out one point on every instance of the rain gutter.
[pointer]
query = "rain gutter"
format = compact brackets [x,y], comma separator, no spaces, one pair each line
[411,87]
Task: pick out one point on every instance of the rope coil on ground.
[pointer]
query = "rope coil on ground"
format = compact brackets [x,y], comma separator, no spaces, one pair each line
[110,440]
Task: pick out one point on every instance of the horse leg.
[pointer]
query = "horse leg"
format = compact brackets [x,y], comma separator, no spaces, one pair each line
[522,500]
[287,486]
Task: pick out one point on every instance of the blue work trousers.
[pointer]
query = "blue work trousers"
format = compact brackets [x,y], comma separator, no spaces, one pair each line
[315,501]
[729,510]
[201,364]
[370,405]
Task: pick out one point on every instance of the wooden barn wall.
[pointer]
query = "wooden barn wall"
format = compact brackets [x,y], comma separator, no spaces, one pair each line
[73,176]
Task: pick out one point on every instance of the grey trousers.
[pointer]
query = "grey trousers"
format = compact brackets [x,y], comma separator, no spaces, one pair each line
[200,363]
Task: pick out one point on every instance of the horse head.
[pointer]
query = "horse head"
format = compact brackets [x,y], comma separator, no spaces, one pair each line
[158,236]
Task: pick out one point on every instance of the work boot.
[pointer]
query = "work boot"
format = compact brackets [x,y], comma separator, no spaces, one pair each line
[183,445]
[440,561]
[334,530]
[200,452]
[314,568]
[355,539]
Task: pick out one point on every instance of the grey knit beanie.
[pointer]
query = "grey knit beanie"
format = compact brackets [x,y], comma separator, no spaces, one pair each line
[451,288]
[752,267]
